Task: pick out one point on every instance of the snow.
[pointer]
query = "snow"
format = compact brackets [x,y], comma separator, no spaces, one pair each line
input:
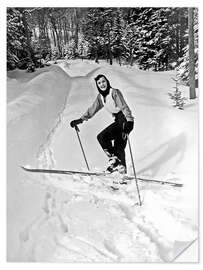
[59,218]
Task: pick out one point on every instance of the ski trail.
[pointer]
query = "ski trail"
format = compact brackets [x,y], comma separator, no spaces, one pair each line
[163,244]
[139,223]
[106,253]
[45,155]
[71,250]
[111,248]
[157,240]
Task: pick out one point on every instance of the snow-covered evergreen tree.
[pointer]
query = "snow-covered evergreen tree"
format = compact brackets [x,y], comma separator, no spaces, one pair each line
[82,46]
[70,49]
[176,95]
[118,29]
[15,37]
[103,31]
[92,29]
[153,37]
[183,69]
[54,54]
[154,40]
[132,35]
[112,31]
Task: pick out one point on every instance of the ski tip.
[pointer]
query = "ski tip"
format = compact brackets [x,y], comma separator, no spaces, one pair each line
[178,185]
[24,168]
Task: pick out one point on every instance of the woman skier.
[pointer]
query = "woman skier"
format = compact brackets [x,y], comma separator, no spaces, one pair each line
[112,139]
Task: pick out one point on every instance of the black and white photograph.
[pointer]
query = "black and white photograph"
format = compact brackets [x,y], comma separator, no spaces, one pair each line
[102,116]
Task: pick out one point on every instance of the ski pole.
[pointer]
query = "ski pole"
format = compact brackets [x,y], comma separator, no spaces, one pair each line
[140,203]
[77,131]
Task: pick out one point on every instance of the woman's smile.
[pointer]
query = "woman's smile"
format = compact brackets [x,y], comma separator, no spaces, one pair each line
[102,83]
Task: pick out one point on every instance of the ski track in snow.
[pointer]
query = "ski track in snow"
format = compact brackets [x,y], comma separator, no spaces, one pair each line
[84,221]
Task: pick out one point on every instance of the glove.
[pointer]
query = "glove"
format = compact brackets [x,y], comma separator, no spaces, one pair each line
[76,122]
[128,127]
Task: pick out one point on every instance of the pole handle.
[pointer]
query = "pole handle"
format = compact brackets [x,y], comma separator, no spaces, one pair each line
[77,128]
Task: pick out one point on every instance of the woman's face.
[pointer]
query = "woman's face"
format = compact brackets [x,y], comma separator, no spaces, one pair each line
[102,84]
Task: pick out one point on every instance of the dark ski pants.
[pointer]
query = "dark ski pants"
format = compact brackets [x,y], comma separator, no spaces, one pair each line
[113,140]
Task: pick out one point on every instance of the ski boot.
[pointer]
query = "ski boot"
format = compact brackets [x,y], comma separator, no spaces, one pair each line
[115,166]
[121,169]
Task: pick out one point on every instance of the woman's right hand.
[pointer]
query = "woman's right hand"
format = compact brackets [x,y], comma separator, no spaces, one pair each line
[76,122]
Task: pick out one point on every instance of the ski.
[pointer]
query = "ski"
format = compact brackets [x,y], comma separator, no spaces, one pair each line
[124,178]
[155,181]
[53,171]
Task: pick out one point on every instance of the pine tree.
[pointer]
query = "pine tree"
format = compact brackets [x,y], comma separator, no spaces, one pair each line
[82,46]
[155,46]
[70,49]
[176,96]
[149,37]
[16,38]
[92,30]
[103,30]
[178,24]
[160,39]
[118,29]
[38,22]
[191,53]
[183,61]
[112,31]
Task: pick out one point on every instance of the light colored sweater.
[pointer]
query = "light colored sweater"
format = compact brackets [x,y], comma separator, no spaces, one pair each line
[113,103]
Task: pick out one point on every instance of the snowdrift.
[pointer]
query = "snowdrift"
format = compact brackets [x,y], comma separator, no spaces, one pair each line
[33,114]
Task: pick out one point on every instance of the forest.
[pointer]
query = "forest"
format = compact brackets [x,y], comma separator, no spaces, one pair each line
[158,39]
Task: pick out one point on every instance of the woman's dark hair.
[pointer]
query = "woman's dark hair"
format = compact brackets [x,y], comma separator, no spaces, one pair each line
[106,92]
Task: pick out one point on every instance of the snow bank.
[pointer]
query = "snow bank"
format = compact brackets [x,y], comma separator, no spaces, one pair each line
[78,68]
[33,113]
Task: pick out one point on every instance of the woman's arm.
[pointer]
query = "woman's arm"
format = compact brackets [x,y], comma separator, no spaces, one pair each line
[93,109]
[121,104]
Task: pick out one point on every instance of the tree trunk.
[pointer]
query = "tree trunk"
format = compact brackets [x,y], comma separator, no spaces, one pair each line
[96,58]
[96,55]
[76,28]
[65,33]
[110,55]
[47,36]
[54,38]
[106,54]
[109,49]
[42,30]
[60,39]
[35,34]
[29,49]
[191,53]
[55,34]
[57,40]
[178,37]
[119,60]
[131,57]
